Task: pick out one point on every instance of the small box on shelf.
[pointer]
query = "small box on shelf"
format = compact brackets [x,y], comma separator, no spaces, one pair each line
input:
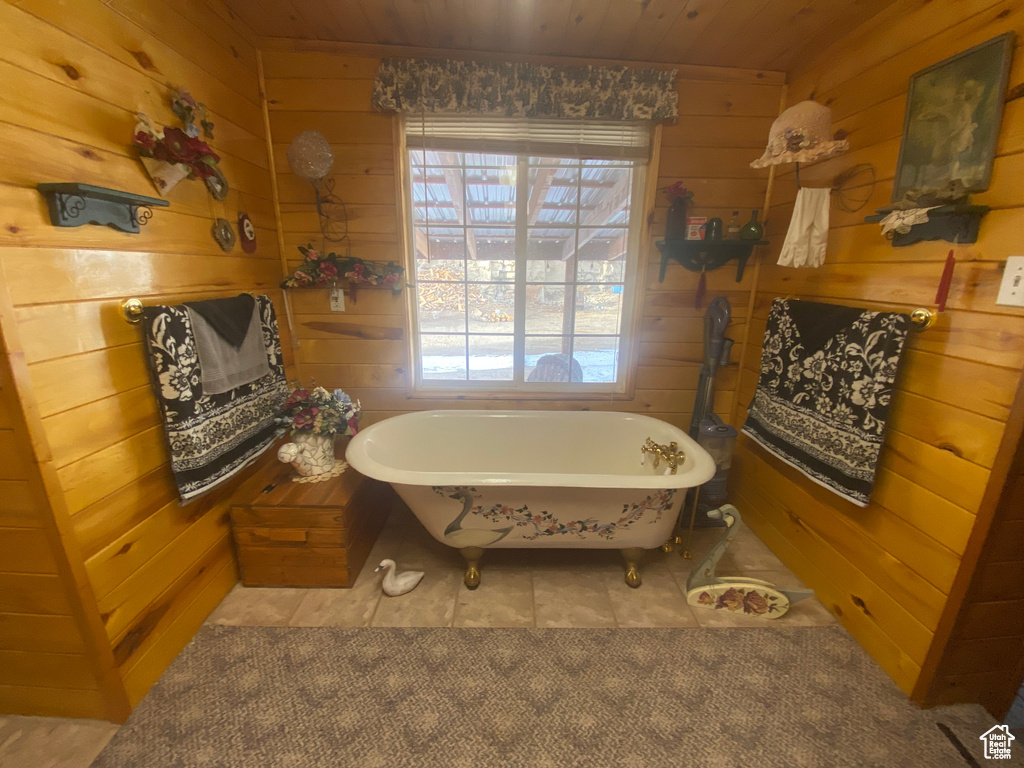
[695,227]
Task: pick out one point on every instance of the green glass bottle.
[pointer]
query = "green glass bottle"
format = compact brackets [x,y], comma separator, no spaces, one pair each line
[752,230]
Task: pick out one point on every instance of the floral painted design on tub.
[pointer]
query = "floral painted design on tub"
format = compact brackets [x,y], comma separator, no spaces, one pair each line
[546,524]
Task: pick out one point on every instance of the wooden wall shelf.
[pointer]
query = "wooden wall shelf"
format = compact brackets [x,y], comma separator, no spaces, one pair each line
[72,205]
[953,223]
[705,255]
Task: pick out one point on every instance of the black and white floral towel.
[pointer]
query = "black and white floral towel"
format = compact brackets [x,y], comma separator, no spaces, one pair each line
[826,386]
[210,437]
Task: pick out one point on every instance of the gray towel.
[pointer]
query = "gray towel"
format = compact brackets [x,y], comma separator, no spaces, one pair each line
[230,317]
[222,366]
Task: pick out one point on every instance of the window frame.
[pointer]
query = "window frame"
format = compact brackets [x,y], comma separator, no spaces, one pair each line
[634,282]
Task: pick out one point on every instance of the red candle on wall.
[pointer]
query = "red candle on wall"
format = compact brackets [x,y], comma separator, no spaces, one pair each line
[947,278]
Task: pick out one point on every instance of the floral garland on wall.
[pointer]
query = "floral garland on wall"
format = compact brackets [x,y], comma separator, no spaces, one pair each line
[323,271]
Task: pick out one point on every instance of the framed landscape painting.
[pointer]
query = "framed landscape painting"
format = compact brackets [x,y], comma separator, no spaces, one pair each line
[954,109]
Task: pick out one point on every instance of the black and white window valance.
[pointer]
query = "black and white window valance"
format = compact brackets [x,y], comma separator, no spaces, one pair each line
[525,90]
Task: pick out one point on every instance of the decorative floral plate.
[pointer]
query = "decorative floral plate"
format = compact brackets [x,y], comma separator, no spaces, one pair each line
[749,597]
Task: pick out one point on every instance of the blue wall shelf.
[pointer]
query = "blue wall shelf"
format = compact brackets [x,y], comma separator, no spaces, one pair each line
[72,205]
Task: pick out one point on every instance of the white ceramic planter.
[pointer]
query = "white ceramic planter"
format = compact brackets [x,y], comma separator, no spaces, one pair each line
[310,454]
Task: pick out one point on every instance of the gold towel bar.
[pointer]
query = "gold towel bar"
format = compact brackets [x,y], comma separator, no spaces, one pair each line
[920,319]
[132,309]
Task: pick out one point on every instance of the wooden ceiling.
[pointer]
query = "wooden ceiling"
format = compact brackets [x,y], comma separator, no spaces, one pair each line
[755,34]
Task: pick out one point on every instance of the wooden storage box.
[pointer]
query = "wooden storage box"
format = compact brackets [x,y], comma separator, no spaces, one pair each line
[309,534]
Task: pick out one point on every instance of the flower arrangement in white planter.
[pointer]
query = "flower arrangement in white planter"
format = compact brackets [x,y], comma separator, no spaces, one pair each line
[317,418]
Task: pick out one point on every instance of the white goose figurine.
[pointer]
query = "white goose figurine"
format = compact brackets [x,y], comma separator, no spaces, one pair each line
[396,584]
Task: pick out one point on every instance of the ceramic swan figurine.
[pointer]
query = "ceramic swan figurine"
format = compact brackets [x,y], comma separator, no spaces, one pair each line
[309,454]
[396,584]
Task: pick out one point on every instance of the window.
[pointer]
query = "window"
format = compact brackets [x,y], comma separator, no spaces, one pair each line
[525,237]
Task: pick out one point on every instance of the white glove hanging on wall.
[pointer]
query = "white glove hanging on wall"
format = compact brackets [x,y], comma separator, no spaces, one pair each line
[807,238]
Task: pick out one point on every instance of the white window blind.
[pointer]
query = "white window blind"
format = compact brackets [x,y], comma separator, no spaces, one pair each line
[548,138]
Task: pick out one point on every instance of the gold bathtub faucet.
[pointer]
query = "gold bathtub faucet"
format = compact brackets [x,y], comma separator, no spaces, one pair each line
[666,453]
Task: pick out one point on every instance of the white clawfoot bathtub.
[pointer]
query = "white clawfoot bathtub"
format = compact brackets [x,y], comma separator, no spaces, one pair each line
[508,479]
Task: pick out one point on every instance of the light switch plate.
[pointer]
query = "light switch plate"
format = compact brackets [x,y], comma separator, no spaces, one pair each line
[1011,290]
[337,300]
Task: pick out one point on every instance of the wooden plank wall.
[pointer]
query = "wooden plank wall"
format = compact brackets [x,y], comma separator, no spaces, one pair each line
[887,570]
[983,659]
[46,654]
[72,75]
[724,119]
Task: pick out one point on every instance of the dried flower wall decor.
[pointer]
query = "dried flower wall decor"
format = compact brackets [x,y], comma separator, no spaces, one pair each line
[172,154]
[322,271]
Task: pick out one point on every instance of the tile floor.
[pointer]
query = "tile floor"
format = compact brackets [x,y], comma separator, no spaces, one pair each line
[519,588]
[51,742]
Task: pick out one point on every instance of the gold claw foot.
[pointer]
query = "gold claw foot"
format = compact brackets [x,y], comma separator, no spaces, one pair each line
[633,576]
[472,575]
[632,557]
[667,546]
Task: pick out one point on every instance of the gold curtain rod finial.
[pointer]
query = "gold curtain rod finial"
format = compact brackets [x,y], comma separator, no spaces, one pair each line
[132,311]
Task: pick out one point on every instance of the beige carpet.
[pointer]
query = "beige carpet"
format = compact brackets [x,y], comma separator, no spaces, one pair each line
[262,697]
